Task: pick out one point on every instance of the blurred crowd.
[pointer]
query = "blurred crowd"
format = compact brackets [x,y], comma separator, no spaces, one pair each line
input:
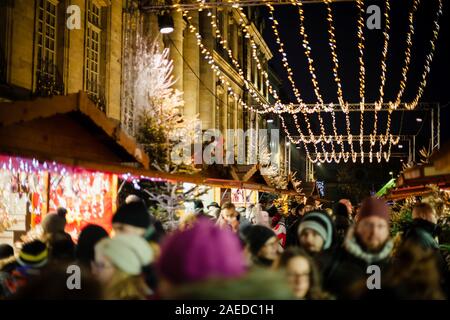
[224,252]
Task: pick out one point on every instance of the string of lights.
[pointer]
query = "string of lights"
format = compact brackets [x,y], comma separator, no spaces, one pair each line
[428,60]
[409,44]
[362,75]
[337,80]
[379,105]
[307,47]
[280,109]
[208,56]
[294,87]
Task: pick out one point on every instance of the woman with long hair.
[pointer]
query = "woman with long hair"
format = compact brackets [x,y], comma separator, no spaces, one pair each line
[302,274]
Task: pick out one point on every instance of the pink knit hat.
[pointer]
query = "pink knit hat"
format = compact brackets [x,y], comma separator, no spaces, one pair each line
[201,252]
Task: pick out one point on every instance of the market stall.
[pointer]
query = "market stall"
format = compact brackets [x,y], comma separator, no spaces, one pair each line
[423,179]
[57,152]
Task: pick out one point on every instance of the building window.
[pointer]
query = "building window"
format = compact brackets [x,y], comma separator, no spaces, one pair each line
[219,107]
[92,74]
[230,113]
[46,49]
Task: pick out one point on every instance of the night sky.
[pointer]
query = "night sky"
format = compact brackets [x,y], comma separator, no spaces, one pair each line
[345,19]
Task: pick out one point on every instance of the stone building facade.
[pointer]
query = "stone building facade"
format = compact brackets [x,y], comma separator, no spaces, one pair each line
[40,56]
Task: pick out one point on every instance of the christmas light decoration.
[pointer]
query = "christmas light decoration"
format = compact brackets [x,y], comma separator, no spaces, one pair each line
[429,58]
[208,56]
[342,103]
[379,105]
[315,83]
[295,90]
[283,109]
[409,44]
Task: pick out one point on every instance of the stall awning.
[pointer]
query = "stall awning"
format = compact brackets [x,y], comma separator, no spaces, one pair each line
[67,129]
[414,191]
[441,158]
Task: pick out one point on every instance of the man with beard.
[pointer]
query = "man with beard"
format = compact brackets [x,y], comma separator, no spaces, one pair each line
[366,244]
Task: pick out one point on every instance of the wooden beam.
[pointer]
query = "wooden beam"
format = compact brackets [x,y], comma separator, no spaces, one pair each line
[250,173]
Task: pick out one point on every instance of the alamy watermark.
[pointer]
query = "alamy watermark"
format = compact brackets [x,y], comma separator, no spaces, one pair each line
[372,22]
[374,280]
[74,279]
[74,17]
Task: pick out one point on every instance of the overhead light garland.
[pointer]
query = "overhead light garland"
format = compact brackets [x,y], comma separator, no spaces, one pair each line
[379,105]
[409,44]
[428,60]
[362,74]
[307,47]
[295,89]
[280,108]
[337,80]
[208,56]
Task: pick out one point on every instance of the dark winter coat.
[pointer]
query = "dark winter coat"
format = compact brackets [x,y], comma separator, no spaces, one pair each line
[292,232]
[346,267]
[258,283]
[342,224]
[422,232]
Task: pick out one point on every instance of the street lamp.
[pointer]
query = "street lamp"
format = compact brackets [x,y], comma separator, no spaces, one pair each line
[165,23]
[269,120]
[419,119]
[400,146]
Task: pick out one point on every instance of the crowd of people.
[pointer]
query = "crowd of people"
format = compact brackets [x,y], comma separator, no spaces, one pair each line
[224,252]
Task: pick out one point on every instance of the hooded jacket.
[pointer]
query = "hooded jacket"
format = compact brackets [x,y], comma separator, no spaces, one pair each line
[422,232]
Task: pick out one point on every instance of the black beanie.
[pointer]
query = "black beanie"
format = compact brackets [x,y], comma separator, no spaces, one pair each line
[256,236]
[133,214]
[340,209]
[89,236]
[33,254]
[272,211]
[198,204]
[6,251]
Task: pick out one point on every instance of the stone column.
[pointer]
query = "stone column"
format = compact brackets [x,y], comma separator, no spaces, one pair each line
[176,49]
[21,63]
[207,76]
[114,65]
[75,53]
[191,70]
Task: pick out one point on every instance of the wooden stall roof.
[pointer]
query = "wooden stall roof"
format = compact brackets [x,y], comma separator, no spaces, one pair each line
[441,158]
[419,190]
[416,181]
[236,176]
[310,189]
[243,172]
[68,129]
